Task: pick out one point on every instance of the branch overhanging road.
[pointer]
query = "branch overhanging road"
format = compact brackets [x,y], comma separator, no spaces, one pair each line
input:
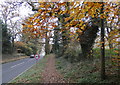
[13,69]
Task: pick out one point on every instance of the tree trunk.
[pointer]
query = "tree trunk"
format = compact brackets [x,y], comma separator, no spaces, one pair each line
[102,46]
[87,50]
[47,47]
[119,58]
[56,39]
[65,36]
[12,47]
[87,40]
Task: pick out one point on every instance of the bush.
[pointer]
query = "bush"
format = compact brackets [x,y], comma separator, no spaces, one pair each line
[24,48]
[28,51]
[72,52]
[33,47]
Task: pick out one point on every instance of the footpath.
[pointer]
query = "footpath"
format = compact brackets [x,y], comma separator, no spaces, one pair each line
[50,74]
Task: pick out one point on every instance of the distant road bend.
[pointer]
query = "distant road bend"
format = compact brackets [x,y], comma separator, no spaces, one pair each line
[13,69]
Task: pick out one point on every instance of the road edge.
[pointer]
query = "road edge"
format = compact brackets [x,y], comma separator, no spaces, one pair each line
[21,73]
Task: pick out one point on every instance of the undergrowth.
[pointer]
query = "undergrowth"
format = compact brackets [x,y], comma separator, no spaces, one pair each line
[85,71]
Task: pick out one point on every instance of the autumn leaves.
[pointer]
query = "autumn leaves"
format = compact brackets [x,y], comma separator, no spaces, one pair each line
[71,15]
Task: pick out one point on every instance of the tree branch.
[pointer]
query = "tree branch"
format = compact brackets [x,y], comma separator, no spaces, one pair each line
[33,7]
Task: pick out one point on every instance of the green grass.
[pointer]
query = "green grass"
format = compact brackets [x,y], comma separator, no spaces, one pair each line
[82,72]
[108,52]
[33,75]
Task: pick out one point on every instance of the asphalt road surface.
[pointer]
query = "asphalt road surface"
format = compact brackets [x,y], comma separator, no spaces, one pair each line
[13,69]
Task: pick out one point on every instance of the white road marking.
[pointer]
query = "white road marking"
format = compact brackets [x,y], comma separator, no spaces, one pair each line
[21,73]
[20,64]
[17,65]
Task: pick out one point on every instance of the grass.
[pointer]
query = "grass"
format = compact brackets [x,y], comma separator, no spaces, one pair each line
[77,72]
[108,52]
[87,71]
[33,75]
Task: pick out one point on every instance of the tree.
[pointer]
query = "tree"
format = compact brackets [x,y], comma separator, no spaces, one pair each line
[6,44]
[84,17]
[56,39]
[9,12]
[102,46]
[61,12]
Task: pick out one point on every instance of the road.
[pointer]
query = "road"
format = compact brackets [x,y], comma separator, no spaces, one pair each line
[13,69]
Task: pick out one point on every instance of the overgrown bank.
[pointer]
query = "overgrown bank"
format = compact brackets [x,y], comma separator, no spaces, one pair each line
[86,71]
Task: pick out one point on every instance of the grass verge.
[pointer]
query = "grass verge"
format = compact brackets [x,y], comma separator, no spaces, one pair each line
[83,71]
[13,59]
[32,75]
[10,58]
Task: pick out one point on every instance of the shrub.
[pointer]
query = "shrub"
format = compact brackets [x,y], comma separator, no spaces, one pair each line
[72,52]
[33,47]
[24,48]
[28,51]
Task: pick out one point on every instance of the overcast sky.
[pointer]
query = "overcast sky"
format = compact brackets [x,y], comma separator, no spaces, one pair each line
[24,10]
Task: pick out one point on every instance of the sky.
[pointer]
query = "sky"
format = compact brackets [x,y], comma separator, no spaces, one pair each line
[24,10]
